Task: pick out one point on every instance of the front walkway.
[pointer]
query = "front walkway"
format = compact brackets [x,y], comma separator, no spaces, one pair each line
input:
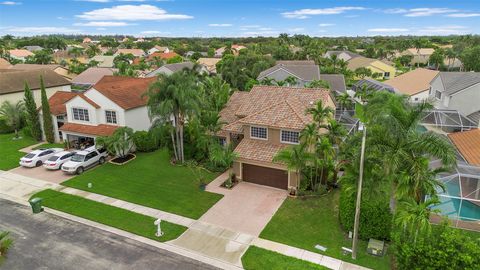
[245,208]
[204,239]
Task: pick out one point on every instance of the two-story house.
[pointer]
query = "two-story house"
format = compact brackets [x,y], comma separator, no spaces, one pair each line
[459,91]
[111,103]
[415,83]
[264,121]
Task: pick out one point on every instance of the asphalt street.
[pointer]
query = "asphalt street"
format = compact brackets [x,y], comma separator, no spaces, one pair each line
[46,241]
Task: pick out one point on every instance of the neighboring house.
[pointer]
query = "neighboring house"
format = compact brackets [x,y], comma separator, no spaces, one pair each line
[60,70]
[189,54]
[87,40]
[415,83]
[303,71]
[341,55]
[209,63]
[64,55]
[219,52]
[458,91]
[157,48]
[33,48]
[169,69]
[20,54]
[264,121]
[235,50]
[376,66]
[336,82]
[468,145]
[91,76]
[4,64]
[111,103]
[12,84]
[372,84]
[134,52]
[104,61]
[420,56]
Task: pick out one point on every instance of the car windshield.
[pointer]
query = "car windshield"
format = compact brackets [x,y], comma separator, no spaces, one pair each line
[30,155]
[78,158]
[54,158]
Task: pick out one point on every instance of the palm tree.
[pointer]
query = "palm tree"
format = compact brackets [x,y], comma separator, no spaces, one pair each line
[290,81]
[334,57]
[92,50]
[13,114]
[216,92]
[293,157]
[414,218]
[267,81]
[320,113]
[345,101]
[223,156]
[174,95]
[451,55]
[76,52]
[120,143]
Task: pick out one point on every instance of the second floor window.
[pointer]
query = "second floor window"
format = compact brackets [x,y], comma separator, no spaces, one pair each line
[287,136]
[438,94]
[258,133]
[111,117]
[80,114]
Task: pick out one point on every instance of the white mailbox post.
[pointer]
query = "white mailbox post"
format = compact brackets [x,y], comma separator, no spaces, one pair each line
[159,229]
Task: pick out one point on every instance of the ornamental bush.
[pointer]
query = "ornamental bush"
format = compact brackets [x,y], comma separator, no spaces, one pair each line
[144,141]
[375,216]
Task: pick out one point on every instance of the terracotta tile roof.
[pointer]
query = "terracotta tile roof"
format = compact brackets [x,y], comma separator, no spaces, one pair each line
[20,53]
[468,144]
[413,82]
[100,130]
[4,64]
[228,113]
[126,92]
[162,55]
[57,102]
[135,52]
[257,150]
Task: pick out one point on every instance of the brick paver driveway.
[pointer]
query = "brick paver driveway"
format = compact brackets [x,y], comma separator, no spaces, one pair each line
[246,208]
[57,176]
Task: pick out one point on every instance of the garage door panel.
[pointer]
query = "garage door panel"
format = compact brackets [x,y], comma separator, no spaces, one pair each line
[265,176]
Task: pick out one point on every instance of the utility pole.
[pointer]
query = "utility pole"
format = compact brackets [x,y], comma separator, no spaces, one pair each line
[359,196]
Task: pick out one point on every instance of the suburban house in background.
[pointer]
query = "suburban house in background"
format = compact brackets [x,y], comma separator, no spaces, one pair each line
[335,81]
[134,52]
[415,83]
[12,84]
[264,121]
[111,103]
[91,76]
[376,66]
[468,145]
[459,91]
[303,71]
[33,48]
[169,69]
[210,64]
[65,56]
[235,50]
[157,48]
[104,61]
[19,54]
[420,56]
[341,55]
[60,70]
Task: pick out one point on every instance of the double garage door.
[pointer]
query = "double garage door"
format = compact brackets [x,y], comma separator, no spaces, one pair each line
[265,176]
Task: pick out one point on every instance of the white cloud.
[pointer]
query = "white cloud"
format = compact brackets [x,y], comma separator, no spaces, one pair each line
[396,10]
[463,15]
[326,24]
[10,3]
[308,12]
[131,13]
[102,24]
[34,30]
[388,30]
[422,12]
[444,30]
[101,29]
[220,25]
[95,1]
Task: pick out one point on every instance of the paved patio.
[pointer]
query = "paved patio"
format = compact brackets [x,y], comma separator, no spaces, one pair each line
[247,208]
[52,176]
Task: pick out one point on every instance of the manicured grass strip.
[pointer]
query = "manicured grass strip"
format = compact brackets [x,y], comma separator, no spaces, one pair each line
[150,180]
[10,156]
[109,215]
[258,258]
[304,223]
[49,145]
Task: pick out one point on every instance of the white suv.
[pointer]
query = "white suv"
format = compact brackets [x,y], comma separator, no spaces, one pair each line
[56,161]
[37,157]
[85,159]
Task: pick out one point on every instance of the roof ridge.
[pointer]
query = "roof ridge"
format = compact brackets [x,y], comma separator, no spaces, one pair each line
[294,110]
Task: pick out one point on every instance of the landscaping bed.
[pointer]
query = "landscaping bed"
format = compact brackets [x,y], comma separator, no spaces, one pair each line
[150,180]
[9,153]
[109,215]
[122,160]
[306,222]
[256,258]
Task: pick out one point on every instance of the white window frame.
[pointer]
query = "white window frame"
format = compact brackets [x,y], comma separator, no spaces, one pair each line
[116,117]
[83,109]
[438,98]
[259,138]
[288,142]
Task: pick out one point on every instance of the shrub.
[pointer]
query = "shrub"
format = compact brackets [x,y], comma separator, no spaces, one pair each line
[144,141]
[375,216]
[4,128]
[444,248]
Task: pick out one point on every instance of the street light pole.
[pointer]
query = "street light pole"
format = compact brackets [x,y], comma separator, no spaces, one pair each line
[359,196]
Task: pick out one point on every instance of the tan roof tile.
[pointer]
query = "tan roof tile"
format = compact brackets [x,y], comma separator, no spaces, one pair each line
[413,82]
[257,150]
[100,130]
[468,144]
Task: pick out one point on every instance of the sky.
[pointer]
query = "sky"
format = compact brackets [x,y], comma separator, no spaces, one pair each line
[228,18]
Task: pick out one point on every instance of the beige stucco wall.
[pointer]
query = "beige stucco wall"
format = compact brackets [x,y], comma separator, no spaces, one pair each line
[15,97]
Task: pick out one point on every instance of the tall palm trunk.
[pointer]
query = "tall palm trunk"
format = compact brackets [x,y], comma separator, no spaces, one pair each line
[173,143]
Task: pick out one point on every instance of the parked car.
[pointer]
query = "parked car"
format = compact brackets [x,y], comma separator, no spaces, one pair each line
[85,159]
[56,161]
[37,157]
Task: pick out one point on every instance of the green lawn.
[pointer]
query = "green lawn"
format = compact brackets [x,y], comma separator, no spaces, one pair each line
[304,223]
[49,145]
[258,259]
[109,215]
[9,153]
[150,180]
